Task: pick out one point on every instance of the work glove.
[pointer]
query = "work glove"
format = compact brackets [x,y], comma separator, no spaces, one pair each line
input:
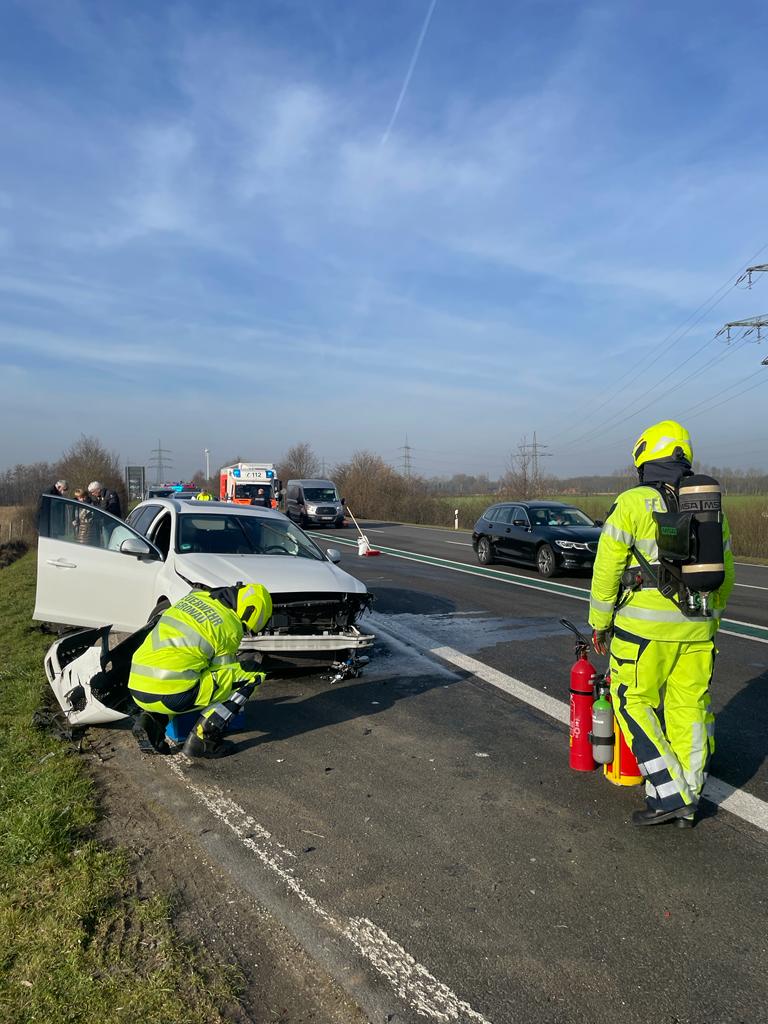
[249,661]
[601,638]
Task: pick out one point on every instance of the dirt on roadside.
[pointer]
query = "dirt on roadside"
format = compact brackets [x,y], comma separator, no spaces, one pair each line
[281,982]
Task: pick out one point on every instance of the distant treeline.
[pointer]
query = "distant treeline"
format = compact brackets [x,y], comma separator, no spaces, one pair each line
[86,460]
[733,481]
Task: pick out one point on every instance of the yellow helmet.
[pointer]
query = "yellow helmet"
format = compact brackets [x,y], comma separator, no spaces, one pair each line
[254,606]
[204,496]
[661,441]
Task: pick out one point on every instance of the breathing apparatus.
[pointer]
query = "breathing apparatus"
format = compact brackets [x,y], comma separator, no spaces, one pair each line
[689,530]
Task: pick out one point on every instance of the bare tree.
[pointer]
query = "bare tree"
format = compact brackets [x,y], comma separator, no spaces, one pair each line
[520,481]
[87,460]
[299,463]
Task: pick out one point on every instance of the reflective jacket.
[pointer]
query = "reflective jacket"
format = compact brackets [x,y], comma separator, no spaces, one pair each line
[630,526]
[190,654]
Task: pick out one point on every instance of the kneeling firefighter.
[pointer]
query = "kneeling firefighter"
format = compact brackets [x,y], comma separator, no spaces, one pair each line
[189,662]
[662,577]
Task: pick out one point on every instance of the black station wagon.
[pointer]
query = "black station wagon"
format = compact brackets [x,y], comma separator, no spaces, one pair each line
[546,534]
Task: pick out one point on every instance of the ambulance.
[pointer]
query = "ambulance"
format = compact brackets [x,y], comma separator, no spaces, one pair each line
[249,483]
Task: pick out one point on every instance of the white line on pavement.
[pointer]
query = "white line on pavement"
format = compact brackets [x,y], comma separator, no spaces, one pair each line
[750,586]
[743,805]
[460,543]
[412,982]
[560,589]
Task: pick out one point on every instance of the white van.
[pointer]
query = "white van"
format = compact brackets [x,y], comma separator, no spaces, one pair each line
[314,502]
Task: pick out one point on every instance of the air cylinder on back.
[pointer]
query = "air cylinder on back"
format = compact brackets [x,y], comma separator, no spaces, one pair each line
[700,497]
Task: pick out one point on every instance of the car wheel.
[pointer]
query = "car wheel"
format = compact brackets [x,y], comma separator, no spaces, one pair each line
[545,561]
[339,524]
[485,552]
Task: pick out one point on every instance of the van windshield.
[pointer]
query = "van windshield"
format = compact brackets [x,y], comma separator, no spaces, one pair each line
[320,494]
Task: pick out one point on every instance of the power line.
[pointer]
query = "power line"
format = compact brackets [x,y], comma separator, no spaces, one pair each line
[692,320]
[732,397]
[635,411]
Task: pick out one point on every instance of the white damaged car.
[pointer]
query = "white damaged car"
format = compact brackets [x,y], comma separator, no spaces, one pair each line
[94,569]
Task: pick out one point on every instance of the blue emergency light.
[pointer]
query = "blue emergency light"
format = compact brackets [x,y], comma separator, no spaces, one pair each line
[235,472]
[270,474]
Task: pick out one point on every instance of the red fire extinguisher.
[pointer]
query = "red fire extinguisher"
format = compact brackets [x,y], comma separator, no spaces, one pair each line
[582,697]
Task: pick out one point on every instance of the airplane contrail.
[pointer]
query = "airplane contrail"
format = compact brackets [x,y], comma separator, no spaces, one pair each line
[411,66]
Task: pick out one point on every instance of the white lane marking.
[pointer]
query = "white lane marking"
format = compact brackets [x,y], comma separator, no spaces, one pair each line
[743,805]
[578,593]
[411,981]
[750,586]
[736,801]
[460,543]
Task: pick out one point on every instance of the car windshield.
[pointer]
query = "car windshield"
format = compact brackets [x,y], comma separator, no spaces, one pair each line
[242,535]
[320,494]
[560,517]
[252,491]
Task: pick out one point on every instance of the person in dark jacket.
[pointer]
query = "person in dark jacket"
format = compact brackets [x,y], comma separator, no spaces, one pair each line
[101,497]
[59,490]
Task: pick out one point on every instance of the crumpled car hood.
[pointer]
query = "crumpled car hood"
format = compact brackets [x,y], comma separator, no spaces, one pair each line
[283,574]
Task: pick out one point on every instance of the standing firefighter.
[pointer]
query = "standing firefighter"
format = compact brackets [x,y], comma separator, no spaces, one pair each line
[189,662]
[662,576]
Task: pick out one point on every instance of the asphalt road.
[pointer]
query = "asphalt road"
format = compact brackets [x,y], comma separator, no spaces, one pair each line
[749,600]
[419,831]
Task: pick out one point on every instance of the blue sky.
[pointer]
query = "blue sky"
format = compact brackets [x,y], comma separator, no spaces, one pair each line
[213,232]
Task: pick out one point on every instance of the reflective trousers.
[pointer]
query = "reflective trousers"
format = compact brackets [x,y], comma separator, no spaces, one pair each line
[199,698]
[674,756]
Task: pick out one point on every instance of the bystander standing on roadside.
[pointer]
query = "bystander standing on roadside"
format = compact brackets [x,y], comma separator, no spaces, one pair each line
[102,497]
[59,490]
[83,521]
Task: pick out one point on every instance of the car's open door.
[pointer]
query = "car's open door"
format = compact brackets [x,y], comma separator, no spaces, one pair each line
[92,569]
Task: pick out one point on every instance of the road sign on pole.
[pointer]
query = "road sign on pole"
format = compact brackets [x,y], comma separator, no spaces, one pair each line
[135,482]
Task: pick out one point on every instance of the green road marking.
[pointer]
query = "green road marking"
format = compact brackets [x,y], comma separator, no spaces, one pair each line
[747,630]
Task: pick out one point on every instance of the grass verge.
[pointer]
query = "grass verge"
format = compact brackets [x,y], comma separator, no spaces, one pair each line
[76,942]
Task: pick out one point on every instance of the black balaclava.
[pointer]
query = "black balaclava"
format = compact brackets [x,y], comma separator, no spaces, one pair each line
[226,595]
[665,471]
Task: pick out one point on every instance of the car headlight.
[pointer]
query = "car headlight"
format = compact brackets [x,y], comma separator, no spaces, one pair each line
[572,545]
[311,509]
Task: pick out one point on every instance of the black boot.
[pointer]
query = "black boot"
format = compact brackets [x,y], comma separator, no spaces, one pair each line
[652,817]
[210,747]
[149,732]
[689,821]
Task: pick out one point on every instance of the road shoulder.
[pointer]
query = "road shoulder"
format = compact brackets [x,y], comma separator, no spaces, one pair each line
[280,981]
